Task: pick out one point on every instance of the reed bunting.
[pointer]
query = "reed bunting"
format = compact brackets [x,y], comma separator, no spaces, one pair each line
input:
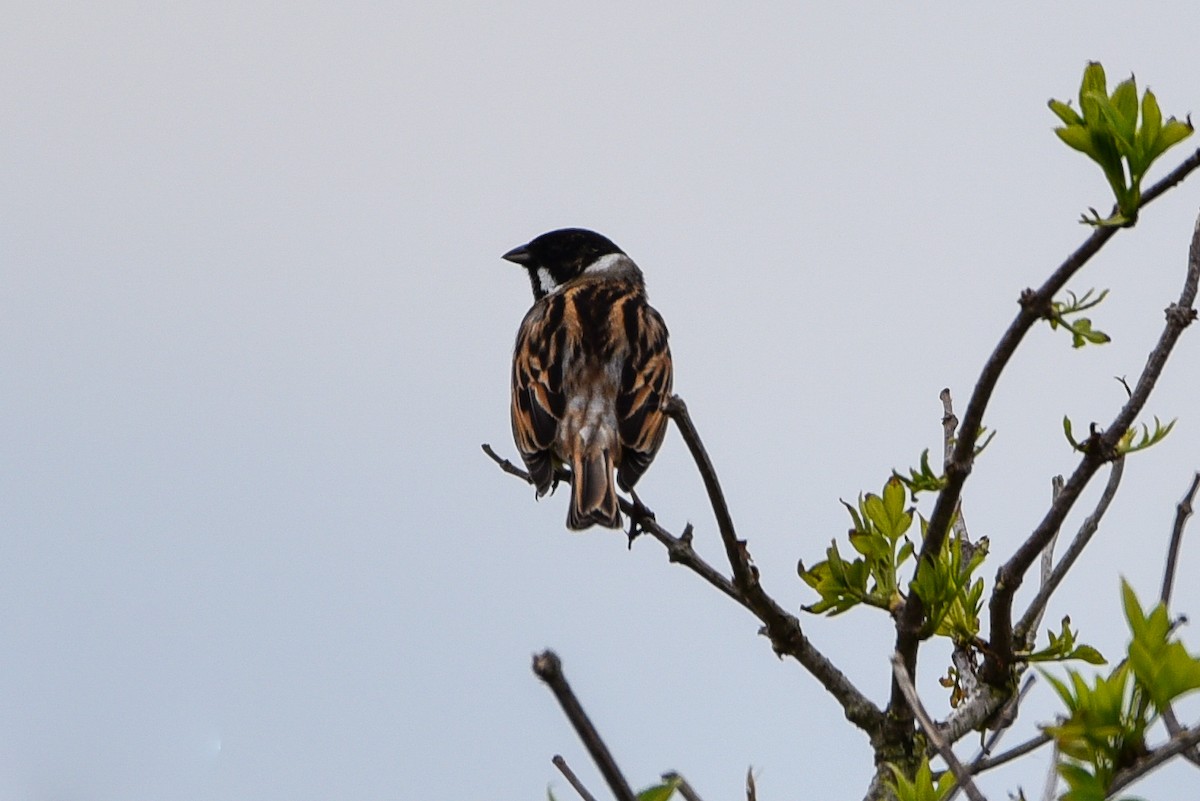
[591,372]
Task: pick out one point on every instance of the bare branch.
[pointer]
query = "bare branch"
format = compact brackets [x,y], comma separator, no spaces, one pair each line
[949,430]
[735,550]
[994,737]
[1030,745]
[976,711]
[548,667]
[572,779]
[1100,447]
[1047,565]
[1182,512]
[679,549]
[961,774]
[1034,305]
[1025,631]
[780,626]
[1051,775]
[506,465]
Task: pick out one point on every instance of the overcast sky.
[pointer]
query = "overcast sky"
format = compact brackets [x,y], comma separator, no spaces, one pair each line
[254,327]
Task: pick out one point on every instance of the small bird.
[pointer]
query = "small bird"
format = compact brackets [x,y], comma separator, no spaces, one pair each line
[591,371]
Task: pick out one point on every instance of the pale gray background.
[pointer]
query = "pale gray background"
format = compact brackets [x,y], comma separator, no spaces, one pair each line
[254,328]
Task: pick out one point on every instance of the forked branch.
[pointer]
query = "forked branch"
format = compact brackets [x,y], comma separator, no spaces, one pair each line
[1034,305]
[1098,449]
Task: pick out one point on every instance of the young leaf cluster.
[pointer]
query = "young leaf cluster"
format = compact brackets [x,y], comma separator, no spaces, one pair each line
[953,598]
[922,479]
[1107,719]
[878,535]
[1131,441]
[1106,129]
[1080,327]
[922,786]
[1063,647]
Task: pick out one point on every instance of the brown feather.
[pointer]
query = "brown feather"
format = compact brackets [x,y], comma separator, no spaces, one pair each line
[591,372]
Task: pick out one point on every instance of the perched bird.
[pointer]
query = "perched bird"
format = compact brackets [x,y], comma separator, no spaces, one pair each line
[591,371]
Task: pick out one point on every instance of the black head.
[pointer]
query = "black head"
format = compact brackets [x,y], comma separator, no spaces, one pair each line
[558,256]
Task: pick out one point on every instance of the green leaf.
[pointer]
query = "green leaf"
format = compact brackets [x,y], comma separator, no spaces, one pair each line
[1094,83]
[1125,103]
[1070,436]
[896,520]
[659,792]
[1161,664]
[1082,332]
[1088,654]
[1065,113]
[1113,124]
[1151,126]
[921,787]
[1080,138]
[1173,132]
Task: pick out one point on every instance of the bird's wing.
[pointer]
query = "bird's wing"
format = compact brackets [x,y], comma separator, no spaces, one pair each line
[538,399]
[645,387]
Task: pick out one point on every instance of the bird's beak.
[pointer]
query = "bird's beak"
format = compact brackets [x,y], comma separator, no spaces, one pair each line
[519,255]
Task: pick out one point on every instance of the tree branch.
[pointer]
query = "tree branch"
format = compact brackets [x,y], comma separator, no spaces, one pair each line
[1032,744]
[949,431]
[548,668]
[1182,512]
[1024,632]
[1034,305]
[961,774]
[781,627]
[744,575]
[679,549]
[1100,447]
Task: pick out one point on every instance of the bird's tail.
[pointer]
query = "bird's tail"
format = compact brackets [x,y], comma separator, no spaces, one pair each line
[593,493]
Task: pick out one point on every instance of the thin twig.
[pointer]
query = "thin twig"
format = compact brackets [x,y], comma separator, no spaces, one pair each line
[735,550]
[1034,305]
[1099,448]
[961,774]
[548,667]
[1182,512]
[1026,629]
[1047,565]
[1032,744]
[949,431]
[679,549]
[684,789]
[572,779]
[1051,775]
[780,626]
[994,737]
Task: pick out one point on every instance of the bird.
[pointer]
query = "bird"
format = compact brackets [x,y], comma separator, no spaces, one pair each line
[591,372]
